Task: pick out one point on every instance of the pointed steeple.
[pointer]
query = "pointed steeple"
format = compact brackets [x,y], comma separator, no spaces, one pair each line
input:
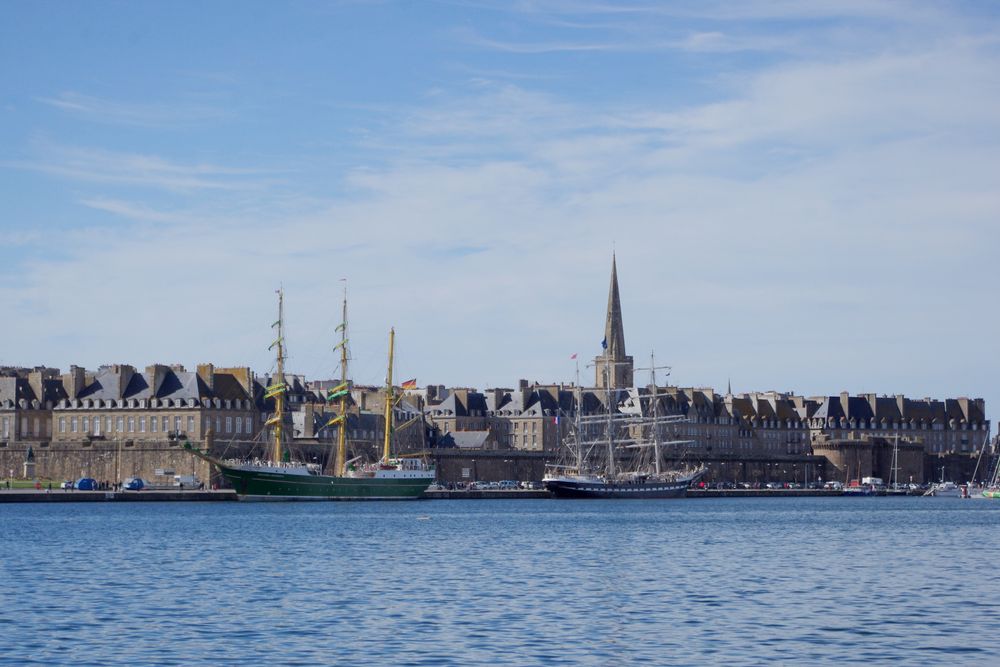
[613,368]
[614,332]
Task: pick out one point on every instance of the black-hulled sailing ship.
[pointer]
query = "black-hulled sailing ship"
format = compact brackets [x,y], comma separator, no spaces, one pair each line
[276,477]
[619,454]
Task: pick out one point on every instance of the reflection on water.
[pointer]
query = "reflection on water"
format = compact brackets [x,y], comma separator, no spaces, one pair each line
[736,581]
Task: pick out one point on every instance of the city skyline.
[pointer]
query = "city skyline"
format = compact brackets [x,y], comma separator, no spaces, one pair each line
[800,198]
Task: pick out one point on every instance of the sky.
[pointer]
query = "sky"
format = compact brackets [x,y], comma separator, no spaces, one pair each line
[800,196]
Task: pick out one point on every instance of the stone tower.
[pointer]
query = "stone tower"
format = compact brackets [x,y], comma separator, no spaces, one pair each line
[613,368]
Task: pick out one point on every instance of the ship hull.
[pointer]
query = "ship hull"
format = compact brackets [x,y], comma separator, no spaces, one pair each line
[267,485]
[566,488]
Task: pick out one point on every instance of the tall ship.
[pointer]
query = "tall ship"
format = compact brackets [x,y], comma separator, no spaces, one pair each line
[619,454]
[277,477]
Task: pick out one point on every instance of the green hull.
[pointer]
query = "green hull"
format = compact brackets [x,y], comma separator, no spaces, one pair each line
[260,485]
[992,493]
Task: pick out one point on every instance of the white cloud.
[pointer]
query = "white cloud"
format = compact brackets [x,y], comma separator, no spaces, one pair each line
[116,112]
[101,166]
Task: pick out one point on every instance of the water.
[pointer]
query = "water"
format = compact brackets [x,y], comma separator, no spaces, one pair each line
[522,582]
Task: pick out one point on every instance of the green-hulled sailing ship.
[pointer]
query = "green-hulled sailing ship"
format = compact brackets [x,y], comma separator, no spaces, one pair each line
[279,478]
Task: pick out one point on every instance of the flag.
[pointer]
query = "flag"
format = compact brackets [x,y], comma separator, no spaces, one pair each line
[273,344]
[573,356]
[604,343]
[272,420]
[339,345]
[276,324]
[341,326]
[336,420]
[336,394]
[409,384]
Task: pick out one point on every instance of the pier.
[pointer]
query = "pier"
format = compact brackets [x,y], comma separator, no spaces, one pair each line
[61,496]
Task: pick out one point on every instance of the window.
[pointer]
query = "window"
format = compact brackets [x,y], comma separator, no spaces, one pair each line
[218,424]
[97,425]
[6,427]
[229,424]
[107,424]
[239,425]
[153,423]
[249,428]
[142,424]
[36,429]
[208,424]
[131,424]
[190,428]
[86,424]
[72,424]
[120,424]
[24,426]
[166,424]
[177,424]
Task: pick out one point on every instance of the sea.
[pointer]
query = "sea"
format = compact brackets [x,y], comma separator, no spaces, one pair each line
[739,581]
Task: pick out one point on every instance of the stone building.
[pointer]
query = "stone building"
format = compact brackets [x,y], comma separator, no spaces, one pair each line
[165,403]
[26,400]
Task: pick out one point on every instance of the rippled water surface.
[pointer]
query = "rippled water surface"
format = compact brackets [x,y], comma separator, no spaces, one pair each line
[520,582]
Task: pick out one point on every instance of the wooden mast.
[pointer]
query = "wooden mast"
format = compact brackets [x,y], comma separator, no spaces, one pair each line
[342,430]
[279,397]
[389,399]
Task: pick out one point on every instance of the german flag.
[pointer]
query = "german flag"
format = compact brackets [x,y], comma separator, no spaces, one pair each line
[409,384]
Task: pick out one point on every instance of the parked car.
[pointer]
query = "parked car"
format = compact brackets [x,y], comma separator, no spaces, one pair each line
[187,482]
[133,484]
[85,484]
[507,485]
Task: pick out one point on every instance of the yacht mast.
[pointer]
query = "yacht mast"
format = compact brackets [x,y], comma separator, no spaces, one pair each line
[389,399]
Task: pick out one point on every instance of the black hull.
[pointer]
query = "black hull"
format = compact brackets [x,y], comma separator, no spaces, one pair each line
[572,489]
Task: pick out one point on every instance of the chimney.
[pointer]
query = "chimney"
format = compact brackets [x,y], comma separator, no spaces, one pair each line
[125,373]
[308,420]
[73,381]
[35,381]
[155,375]
[845,403]
[522,384]
[901,405]
[207,374]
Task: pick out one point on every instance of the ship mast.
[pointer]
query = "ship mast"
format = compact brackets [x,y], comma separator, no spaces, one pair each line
[279,396]
[342,430]
[579,423]
[654,397]
[389,398]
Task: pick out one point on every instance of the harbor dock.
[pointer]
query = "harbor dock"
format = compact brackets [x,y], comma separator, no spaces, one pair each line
[62,496]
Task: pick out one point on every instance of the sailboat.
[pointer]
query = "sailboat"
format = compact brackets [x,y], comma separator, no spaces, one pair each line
[279,478]
[608,476]
[992,490]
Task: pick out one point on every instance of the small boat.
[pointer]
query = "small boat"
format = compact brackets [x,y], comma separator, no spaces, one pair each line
[948,490]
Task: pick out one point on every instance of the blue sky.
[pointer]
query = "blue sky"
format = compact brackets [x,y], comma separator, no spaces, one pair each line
[802,196]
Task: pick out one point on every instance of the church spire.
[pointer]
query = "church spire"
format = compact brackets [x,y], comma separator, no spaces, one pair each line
[614,332]
[613,367]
